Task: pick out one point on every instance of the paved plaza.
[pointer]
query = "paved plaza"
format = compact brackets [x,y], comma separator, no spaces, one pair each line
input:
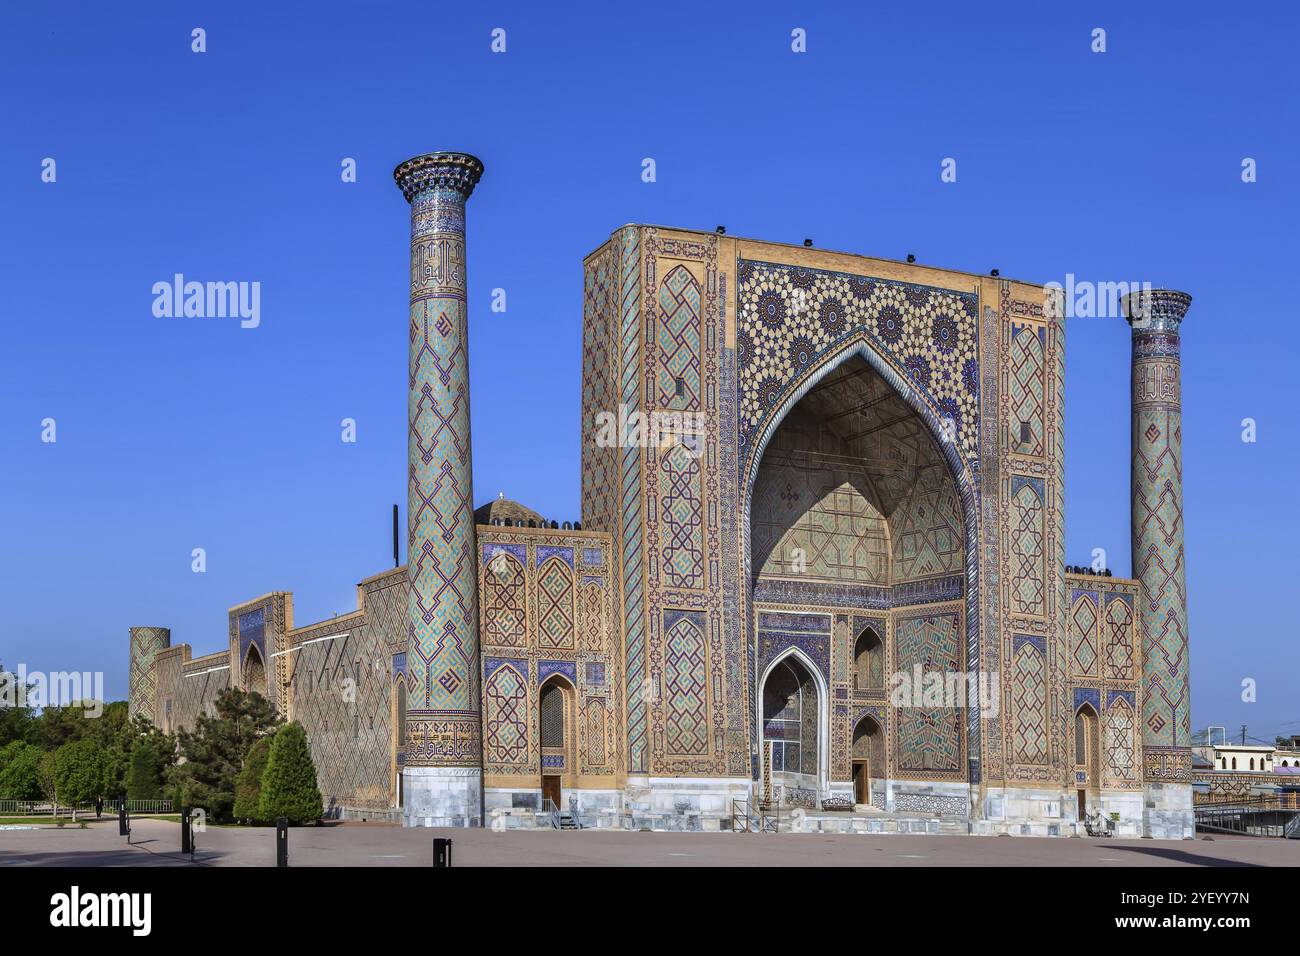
[157,843]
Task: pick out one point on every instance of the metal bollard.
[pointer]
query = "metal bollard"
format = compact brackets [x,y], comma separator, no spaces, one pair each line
[123,821]
[187,836]
[281,841]
[441,852]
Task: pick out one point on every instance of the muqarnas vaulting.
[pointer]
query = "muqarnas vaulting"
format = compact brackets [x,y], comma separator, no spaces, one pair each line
[845,473]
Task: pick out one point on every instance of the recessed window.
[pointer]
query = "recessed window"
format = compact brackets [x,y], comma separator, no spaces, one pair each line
[1024,433]
[552,716]
[681,386]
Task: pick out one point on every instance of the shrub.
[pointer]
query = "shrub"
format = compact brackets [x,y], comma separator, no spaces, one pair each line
[289,783]
[248,785]
[214,752]
[144,773]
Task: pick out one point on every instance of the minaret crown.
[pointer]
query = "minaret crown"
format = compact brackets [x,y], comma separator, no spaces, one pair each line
[458,171]
[1155,310]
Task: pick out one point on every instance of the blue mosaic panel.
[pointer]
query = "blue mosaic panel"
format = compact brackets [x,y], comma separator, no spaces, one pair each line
[1019,640]
[567,668]
[546,551]
[1126,695]
[252,630]
[811,633]
[518,550]
[492,664]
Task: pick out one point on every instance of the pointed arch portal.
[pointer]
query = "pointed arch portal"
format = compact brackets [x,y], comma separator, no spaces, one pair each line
[795,729]
[836,478]
[254,671]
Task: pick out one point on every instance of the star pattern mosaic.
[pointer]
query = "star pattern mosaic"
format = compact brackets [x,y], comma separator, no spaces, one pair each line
[790,318]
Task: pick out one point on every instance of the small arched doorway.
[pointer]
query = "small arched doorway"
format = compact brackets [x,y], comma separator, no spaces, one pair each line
[556,736]
[254,671]
[1087,755]
[399,735]
[869,661]
[868,758]
[792,730]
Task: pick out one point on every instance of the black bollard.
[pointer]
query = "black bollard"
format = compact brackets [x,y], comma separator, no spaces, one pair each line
[281,841]
[441,852]
[123,821]
[187,836]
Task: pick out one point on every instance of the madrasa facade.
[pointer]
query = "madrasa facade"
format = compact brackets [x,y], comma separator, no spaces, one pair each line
[819,578]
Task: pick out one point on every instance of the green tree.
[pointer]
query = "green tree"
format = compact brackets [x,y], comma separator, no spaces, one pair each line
[20,772]
[121,745]
[144,774]
[213,753]
[289,782]
[55,726]
[15,716]
[248,786]
[49,780]
[80,772]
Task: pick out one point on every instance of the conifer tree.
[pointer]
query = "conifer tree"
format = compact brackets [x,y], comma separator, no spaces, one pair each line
[144,773]
[289,783]
[248,785]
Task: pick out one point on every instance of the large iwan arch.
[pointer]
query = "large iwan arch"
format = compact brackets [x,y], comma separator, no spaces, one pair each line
[845,415]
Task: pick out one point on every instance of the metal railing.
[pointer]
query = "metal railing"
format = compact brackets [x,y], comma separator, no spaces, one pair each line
[1266,816]
[552,812]
[48,808]
[1259,801]
[740,816]
[574,813]
[748,817]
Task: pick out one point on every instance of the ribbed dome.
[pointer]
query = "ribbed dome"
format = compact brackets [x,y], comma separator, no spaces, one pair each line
[504,509]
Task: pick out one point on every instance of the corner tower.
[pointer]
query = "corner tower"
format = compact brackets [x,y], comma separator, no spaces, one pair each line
[443,774]
[1158,562]
[146,642]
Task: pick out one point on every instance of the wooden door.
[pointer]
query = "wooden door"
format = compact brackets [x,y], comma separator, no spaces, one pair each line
[551,789]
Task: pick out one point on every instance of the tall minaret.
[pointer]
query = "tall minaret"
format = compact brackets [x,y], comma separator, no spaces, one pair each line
[1158,563]
[443,775]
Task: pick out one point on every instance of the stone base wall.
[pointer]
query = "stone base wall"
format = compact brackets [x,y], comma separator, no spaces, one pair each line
[442,797]
[705,805]
[682,803]
[1023,811]
[1167,812]
[389,815]
[877,823]
[920,797]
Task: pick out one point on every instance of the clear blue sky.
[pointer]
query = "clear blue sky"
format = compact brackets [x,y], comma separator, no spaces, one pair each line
[183,433]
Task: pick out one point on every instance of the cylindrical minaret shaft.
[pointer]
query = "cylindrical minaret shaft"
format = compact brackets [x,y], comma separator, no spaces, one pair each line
[142,684]
[443,773]
[1157,519]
